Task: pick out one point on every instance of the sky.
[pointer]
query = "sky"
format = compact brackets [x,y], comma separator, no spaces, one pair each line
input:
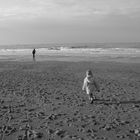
[69,21]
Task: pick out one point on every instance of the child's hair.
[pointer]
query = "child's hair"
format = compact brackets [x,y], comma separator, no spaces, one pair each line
[89,73]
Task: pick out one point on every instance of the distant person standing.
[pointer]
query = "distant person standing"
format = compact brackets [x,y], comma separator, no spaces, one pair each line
[34,52]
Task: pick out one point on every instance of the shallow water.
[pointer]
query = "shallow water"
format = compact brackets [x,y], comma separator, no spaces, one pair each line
[122,52]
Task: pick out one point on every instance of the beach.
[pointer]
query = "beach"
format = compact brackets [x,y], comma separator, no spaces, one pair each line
[69,69]
[44,100]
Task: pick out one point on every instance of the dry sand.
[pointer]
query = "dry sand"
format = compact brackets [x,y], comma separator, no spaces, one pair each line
[43,100]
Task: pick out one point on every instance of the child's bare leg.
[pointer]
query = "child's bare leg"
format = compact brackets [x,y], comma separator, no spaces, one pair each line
[91,98]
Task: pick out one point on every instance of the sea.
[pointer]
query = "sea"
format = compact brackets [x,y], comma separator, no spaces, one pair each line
[70,50]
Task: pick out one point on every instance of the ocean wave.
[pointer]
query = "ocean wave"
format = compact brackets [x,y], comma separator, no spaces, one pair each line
[73,51]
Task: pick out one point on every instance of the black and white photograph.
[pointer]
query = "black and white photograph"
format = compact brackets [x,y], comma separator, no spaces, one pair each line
[69,69]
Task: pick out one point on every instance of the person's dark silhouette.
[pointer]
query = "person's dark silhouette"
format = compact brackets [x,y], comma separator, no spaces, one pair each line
[33,52]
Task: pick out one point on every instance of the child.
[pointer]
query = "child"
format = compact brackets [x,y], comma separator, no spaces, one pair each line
[90,85]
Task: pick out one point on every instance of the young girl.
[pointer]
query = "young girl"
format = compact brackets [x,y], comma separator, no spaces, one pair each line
[90,86]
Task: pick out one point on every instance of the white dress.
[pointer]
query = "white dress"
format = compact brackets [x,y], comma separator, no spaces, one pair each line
[89,85]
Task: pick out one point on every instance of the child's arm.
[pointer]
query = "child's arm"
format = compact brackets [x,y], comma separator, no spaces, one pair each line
[84,84]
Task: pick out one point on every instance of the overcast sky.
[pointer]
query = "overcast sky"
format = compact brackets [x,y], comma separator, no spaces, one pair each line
[69,21]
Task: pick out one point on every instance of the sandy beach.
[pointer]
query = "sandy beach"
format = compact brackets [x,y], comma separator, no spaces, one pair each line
[44,100]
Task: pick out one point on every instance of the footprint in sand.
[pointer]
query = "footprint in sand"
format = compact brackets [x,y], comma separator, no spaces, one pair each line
[61,133]
[7,130]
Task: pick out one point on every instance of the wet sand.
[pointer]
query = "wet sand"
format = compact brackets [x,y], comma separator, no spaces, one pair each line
[43,100]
